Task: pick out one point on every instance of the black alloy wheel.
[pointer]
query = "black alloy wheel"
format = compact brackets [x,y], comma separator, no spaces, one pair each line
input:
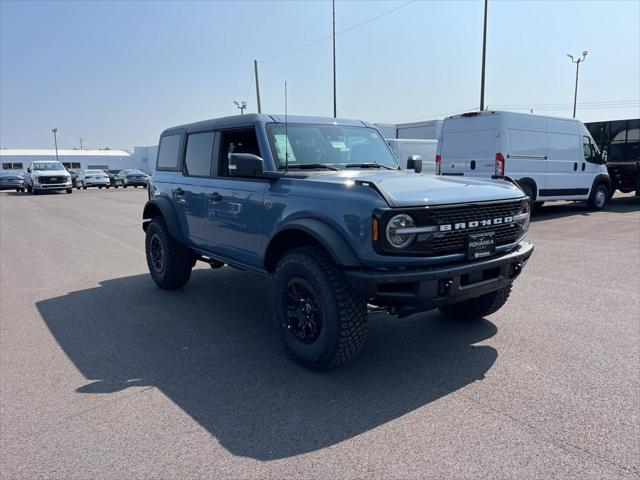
[302,310]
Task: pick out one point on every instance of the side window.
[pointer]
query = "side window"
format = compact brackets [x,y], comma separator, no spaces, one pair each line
[168,152]
[199,153]
[236,141]
[587,148]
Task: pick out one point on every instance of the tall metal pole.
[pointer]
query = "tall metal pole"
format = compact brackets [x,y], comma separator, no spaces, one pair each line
[484,55]
[335,110]
[577,61]
[55,140]
[255,67]
[575,92]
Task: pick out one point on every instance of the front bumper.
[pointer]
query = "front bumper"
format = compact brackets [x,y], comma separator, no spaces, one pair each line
[426,288]
[11,184]
[53,186]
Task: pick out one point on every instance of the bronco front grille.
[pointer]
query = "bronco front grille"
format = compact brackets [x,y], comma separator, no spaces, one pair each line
[454,241]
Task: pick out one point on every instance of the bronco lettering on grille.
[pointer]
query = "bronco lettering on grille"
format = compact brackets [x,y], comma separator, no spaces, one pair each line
[474,224]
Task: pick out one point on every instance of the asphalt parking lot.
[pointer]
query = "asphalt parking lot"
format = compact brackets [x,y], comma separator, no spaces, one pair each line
[104,375]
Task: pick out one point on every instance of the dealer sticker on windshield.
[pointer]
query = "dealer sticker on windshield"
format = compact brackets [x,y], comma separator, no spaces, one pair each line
[480,245]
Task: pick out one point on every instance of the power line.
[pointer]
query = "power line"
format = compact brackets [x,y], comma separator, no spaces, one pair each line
[340,32]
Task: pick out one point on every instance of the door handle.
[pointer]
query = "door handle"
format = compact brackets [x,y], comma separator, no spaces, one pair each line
[178,192]
[575,166]
[214,197]
[583,166]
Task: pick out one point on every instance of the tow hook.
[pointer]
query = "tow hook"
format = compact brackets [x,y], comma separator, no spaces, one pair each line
[516,268]
[444,286]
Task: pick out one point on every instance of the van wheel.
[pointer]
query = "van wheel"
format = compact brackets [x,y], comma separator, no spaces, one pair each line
[169,262]
[598,197]
[480,307]
[320,320]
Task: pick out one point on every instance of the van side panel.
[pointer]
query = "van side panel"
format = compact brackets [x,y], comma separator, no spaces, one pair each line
[525,154]
[564,160]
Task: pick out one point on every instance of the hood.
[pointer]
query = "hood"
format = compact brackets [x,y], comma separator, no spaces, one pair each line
[52,173]
[404,188]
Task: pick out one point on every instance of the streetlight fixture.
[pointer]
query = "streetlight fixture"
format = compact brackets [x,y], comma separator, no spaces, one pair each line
[55,140]
[241,106]
[577,61]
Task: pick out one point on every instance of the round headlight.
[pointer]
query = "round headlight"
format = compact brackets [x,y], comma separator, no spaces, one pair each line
[395,237]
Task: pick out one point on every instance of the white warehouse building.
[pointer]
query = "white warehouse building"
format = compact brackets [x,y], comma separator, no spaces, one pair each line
[84,159]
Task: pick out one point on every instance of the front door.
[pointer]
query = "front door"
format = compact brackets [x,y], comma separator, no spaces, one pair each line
[236,206]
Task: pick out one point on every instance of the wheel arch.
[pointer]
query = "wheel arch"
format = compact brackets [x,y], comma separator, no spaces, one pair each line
[309,232]
[531,182]
[161,206]
[601,178]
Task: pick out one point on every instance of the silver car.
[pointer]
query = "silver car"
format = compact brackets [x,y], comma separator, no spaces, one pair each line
[92,178]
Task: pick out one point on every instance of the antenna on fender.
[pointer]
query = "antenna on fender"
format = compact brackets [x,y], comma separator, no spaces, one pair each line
[286,133]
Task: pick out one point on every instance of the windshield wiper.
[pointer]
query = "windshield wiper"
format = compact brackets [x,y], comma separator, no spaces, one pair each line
[303,166]
[368,165]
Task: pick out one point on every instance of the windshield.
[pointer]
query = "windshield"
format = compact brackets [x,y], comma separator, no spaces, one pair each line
[328,145]
[135,172]
[47,166]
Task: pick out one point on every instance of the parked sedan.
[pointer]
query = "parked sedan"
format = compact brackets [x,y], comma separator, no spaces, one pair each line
[92,178]
[74,175]
[131,177]
[12,180]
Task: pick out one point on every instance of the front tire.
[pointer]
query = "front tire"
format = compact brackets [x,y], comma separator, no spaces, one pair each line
[479,307]
[69,190]
[320,320]
[599,197]
[169,262]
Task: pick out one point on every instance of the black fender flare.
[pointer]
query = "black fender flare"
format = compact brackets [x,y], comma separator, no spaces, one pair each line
[162,206]
[325,235]
[601,178]
[529,181]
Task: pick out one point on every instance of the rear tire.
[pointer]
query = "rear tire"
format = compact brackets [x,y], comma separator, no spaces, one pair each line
[169,262]
[599,197]
[320,320]
[480,307]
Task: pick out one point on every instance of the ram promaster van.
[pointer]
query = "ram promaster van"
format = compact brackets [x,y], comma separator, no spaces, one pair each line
[404,148]
[550,158]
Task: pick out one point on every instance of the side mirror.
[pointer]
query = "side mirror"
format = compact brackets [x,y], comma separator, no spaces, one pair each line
[246,165]
[603,156]
[414,162]
[28,169]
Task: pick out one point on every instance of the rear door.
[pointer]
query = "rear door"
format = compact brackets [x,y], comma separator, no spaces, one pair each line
[196,171]
[453,149]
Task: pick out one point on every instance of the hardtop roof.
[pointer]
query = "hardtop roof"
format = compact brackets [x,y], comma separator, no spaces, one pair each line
[251,119]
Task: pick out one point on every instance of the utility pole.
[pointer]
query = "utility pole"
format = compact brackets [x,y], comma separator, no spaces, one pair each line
[335,110]
[55,140]
[255,67]
[484,55]
[241,105]
[80,143]
[577,61]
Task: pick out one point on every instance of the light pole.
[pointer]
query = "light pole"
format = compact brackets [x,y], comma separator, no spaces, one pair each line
[241,106]
[335,109]
[484,56]
[55,140]
[577,61]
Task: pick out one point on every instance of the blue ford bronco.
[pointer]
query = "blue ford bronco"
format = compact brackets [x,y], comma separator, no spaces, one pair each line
[322,207]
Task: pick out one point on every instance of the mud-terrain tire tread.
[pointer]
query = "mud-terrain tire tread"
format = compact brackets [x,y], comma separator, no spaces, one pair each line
[352,310]
[178,258]
[476,308]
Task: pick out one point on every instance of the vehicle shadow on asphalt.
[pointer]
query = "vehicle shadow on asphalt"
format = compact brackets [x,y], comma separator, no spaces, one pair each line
[550,211]
[212,350]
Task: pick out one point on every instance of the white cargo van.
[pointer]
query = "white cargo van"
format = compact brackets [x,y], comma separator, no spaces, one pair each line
[403,148]
[550,158]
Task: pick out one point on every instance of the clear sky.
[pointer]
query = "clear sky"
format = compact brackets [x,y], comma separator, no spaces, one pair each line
[117,73]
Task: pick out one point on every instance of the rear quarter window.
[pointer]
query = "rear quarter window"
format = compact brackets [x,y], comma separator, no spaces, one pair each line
[169,152]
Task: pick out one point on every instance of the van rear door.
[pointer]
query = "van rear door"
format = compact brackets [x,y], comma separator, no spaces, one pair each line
[453,147]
